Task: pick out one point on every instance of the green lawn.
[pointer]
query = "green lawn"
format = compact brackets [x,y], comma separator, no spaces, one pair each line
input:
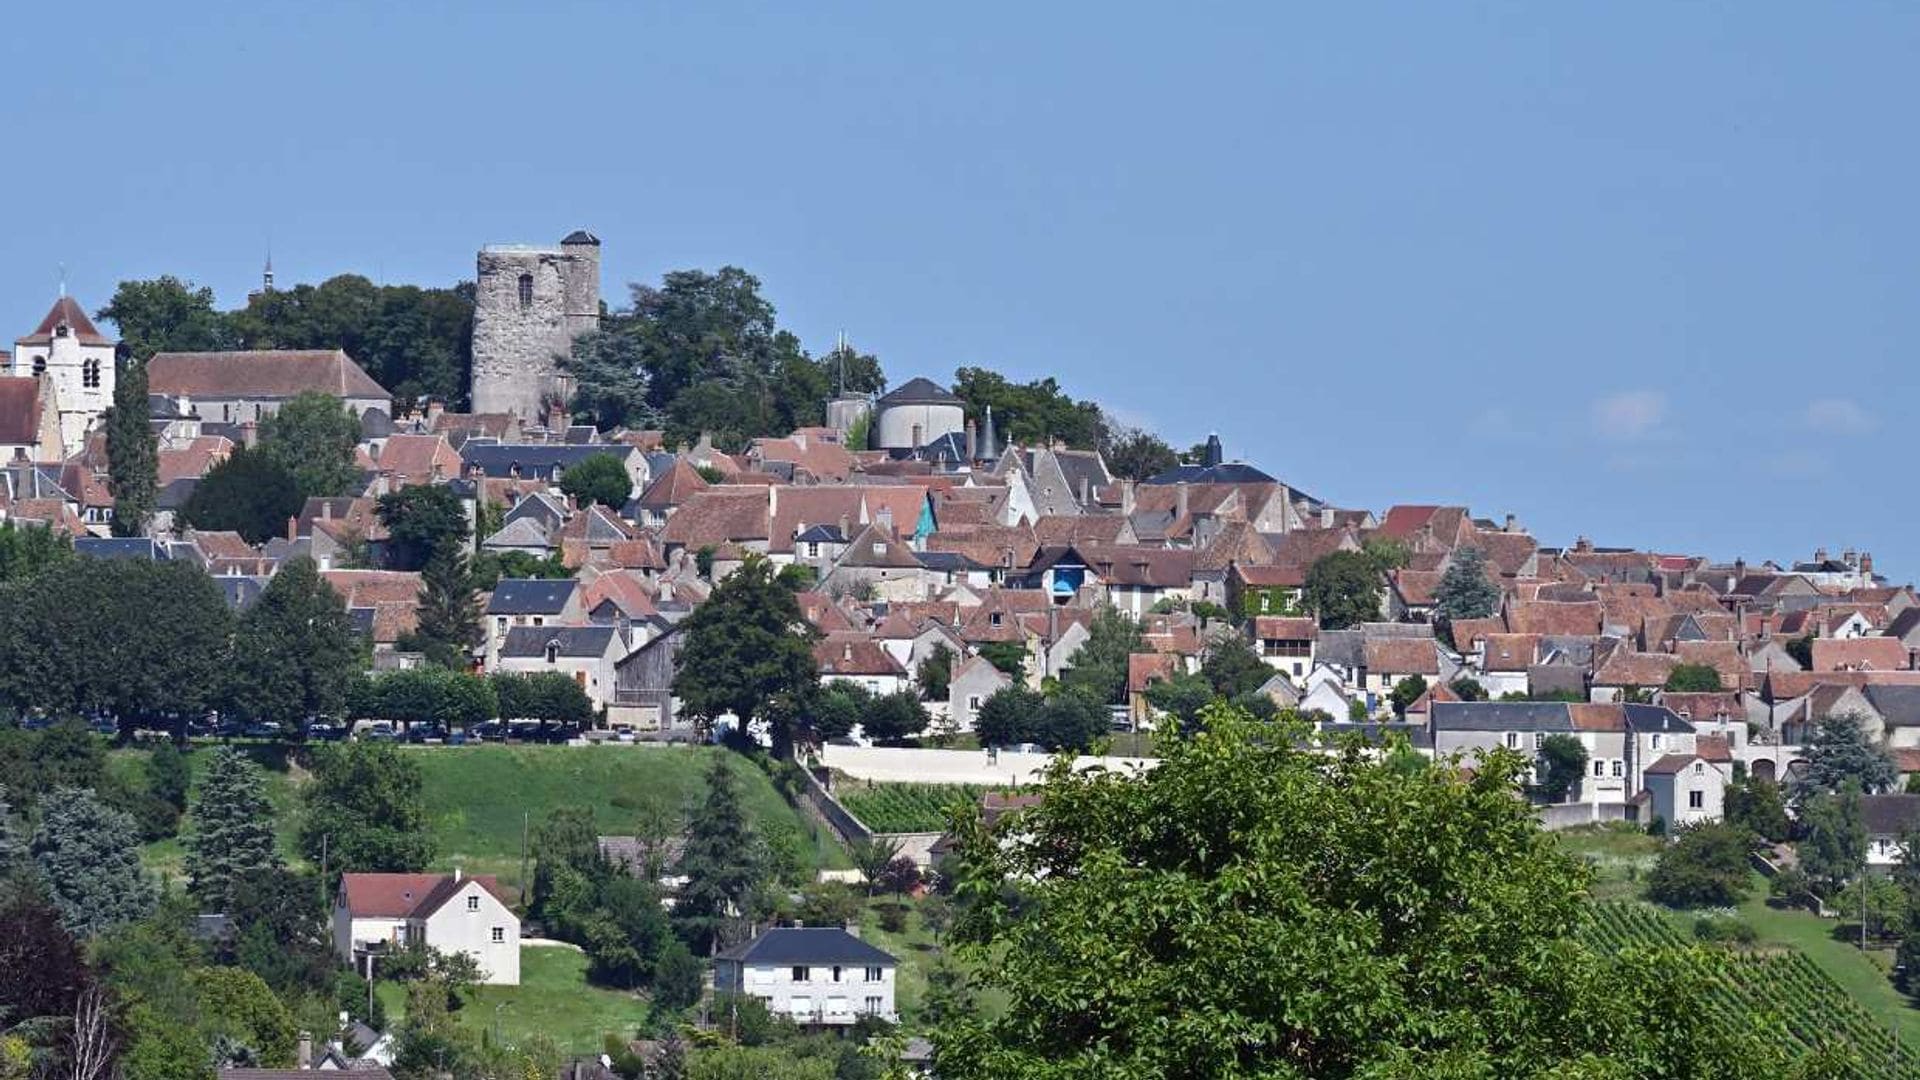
[553,999]
[1619,857]
[478,796]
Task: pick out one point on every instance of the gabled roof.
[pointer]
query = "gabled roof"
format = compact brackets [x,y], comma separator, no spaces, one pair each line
[67,312]
[1672,764]
[718,515]
[789,946]
[403,896]
[854,654]
[531,596]
[264,373]
[674,486]
[576,641]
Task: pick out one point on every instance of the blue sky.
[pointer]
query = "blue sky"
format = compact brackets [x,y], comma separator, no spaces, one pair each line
[1641,272]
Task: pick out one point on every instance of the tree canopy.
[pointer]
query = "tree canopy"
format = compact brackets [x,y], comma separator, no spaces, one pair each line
[421,520]
[296,652]
[1251,907]
[313,436]
[1342,589]
[1841,752]
[88,855]
[249,493]
[232,837]
[133,451]
[1465,591]
[598,478]
[748,652]
[365,809]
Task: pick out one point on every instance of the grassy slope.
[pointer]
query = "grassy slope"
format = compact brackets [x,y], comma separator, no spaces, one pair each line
[168,856]
[476,796]
[1621,860]
[554,1000]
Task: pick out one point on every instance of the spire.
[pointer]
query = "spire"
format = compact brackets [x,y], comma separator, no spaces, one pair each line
[266,278]
[986,437]
[63,281]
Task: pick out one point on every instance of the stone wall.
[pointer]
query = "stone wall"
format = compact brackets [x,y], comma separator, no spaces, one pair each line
[517,347]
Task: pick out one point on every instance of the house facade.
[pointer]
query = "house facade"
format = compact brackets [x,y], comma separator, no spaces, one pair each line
[375,914]
[822,977]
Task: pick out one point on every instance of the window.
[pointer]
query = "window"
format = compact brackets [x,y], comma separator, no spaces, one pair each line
[90,374]
[526,291]
[799,973]
[1513,740]
[502,621]
[879,547]
[873,1005]
[39,365]
[1656,741]
[1599,768]
[873,686]
[836,972]
[1619,768]
[875,974]
[1699,767]
[499,935]
[539,620]
[553,652]
[1696,800]
[813,550]
[473,903]
[973,702]
[994,619]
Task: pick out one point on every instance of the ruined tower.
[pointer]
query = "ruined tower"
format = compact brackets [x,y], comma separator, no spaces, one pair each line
[529,305]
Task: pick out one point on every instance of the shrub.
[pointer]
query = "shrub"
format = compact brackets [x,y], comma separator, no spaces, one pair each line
[1723,928]
[1705,867]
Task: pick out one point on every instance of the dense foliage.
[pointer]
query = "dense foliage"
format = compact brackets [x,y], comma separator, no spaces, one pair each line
[748,652]
[1342,589]
[249,493]
[133,451]
[313,436]
[364,810]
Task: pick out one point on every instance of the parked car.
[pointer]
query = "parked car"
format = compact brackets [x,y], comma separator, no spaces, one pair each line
[326,731]
[104,725]
[379,732]
[263,729]
[421,733]
[456,738]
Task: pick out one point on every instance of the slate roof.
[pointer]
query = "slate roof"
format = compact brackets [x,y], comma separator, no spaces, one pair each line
[358,1073]
[788,946]
[1670,764]
[1230,472]
[576,641]
[118,548]
[1898,705]
[1890,815]
[531,596]
[263,373]
[534,459]
[919,391]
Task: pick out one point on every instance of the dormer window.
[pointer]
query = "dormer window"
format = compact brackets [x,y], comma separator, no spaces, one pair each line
[994,619]
[553,652]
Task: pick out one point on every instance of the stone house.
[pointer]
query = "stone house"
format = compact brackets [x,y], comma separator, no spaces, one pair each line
[1286,644]
[586,654]
[1686,789]
[531,602]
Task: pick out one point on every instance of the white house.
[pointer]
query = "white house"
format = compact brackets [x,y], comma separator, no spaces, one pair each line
[815,976]
[1889,819]
[589,655]
[1686,789]
[377,913]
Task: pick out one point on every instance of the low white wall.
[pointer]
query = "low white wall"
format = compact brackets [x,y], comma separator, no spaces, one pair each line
[899,765]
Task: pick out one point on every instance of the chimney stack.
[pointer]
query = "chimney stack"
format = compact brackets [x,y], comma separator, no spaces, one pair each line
[303,1057]
[1512,524]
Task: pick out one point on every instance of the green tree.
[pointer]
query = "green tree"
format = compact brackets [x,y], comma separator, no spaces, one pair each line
[25,550]
[1343,589]
[1137,455]
[88,856]
[1758,807]
[1694,678]
[489,567]
[935,673]
[232,836]
[249,493]
[1706,866]
[1274,899]
[1071,719]
[365,806]
[239,1009]
[313,435]
[1801,649]
[421,520]
[1031,413]
[598,479]
[295,652]
[1563,761]
[1834,848]
[677,976]
[133,452]
[547,696]
[450,615]
[1386,552]
[1468,688]
[414,341]
[169,775]
[166,314]
[838,708]
[1232,667]
[721,861]
[1099,667]
[870,856]
[748,652]
[1183,698]
[1009,716]
[1840,752]
[164,626]
[1008,656]
[1406,692]
[894,718]
[1465,590]
[567,859]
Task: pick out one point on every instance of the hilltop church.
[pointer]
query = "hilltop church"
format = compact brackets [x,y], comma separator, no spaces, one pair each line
[55,385]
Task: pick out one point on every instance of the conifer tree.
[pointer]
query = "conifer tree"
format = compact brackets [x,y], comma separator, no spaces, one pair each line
[232,831]
[133,452]
[89,860]
[720,862]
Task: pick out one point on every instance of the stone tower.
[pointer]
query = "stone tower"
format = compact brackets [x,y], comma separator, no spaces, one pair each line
[529,305]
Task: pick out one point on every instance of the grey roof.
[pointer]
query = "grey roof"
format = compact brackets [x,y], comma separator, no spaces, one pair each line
[789,945]
[119,548]
[1898,705]
[1647,719]
[1500,715]
[531,596]
[947,562]
[526,532]
[581,236]
[1416,735]
[920,390]
[1233,472]
[240,591]
[1890,815]
[1905,623]
[821,534]
[534,460]
[375,424]
[532,641]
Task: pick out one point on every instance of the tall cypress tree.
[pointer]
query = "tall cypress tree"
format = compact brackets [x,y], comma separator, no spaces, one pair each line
[133,452]
[720,862]
[232,835]
[449,606]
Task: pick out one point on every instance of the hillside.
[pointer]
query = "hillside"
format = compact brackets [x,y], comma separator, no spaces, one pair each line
[478,797]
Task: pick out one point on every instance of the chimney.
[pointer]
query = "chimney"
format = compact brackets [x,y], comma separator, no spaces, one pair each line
[456,873]
[846,652]
[884,518]
[973,443]
[556,417]
[986,436]
[249,434]
[1512,524]
[1866,564]
[293,528]
[434,408]
[1180,499]
[303,1057]
[1819,554]
[916,436]
[1215,452]
[1126,497]
[1086,492]
[1326,517]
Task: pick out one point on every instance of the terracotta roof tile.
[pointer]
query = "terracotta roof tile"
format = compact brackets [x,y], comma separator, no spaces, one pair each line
[266,373]
[66,310]
[1860,654]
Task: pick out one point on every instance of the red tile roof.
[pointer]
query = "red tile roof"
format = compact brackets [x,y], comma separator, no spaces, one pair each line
[401,896]
[854,654]
[1402,656]
[1860,654]
[1144,669]
[20,410]
[1284,628]
[68,311]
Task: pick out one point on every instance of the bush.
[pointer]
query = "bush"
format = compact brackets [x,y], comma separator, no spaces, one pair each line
[1723,928]
[893,918]
[1705,867]
[1790,887]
